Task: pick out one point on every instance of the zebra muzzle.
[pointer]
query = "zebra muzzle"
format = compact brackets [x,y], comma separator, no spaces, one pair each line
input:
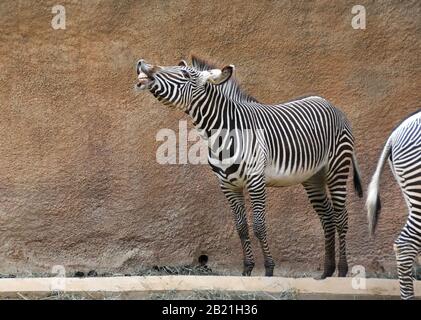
[143,81]
[144,74]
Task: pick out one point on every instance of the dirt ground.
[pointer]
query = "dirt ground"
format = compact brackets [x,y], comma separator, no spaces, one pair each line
[196,270]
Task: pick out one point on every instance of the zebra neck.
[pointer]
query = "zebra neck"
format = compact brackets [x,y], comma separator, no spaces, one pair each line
[211,110]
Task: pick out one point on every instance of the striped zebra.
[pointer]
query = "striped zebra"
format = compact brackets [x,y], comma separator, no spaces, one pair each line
[403,150]
[306,141]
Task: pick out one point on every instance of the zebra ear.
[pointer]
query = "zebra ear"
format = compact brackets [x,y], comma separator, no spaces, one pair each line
[221,76]
[182,63]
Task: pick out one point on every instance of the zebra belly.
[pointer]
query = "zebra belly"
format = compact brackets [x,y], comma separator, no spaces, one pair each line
[277,178]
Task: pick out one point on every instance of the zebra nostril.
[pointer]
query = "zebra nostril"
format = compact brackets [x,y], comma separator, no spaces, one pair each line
[139,64]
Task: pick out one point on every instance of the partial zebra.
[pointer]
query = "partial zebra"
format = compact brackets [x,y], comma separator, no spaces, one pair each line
[254,145]
[403,150]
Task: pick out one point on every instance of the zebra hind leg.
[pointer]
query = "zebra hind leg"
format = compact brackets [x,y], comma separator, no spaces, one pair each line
[405,257]
[316,191]
[236,200]
[408,244]
[257,191]
[337,189]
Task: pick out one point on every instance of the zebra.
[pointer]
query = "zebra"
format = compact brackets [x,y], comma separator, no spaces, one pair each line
[305,141]
[403,150]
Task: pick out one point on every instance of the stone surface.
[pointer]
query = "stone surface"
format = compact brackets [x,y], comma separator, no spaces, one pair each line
[79,182]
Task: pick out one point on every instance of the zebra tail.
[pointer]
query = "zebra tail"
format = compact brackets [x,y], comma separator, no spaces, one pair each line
[357,177]
[373,203]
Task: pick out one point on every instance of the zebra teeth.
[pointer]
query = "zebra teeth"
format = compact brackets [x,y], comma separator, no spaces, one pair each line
[143,81]
[143,78]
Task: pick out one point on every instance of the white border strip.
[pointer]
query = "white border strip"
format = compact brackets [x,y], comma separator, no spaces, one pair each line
[337,286]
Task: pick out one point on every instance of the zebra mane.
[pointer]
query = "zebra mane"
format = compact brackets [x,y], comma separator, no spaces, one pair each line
[231,88]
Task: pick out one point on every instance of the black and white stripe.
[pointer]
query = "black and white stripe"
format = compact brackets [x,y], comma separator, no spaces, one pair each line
[305,141]
[403,150]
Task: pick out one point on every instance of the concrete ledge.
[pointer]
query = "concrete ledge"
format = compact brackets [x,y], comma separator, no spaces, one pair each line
[333,286]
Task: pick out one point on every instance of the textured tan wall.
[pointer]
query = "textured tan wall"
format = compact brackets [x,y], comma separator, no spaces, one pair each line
[79,183]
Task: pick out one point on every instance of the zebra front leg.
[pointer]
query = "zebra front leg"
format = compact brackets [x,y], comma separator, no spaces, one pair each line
[257,191]
[316,191]
[236,200]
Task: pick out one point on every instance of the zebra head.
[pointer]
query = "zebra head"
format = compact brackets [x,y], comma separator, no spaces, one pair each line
[176,86]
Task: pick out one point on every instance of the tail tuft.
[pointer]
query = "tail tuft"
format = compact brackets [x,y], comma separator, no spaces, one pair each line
[357,184]
[373,213]
[357,178]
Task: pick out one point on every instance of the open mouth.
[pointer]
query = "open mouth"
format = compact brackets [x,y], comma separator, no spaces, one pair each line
[143,81]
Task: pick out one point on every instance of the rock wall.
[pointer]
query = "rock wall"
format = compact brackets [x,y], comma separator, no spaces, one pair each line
[79,182]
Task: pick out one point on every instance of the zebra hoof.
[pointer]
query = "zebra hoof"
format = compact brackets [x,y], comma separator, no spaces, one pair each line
[342,273]
[342,270]
[326,274]
[248,268]
[269,272]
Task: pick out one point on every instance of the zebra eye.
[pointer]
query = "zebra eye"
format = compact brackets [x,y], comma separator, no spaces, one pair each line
[185,74]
